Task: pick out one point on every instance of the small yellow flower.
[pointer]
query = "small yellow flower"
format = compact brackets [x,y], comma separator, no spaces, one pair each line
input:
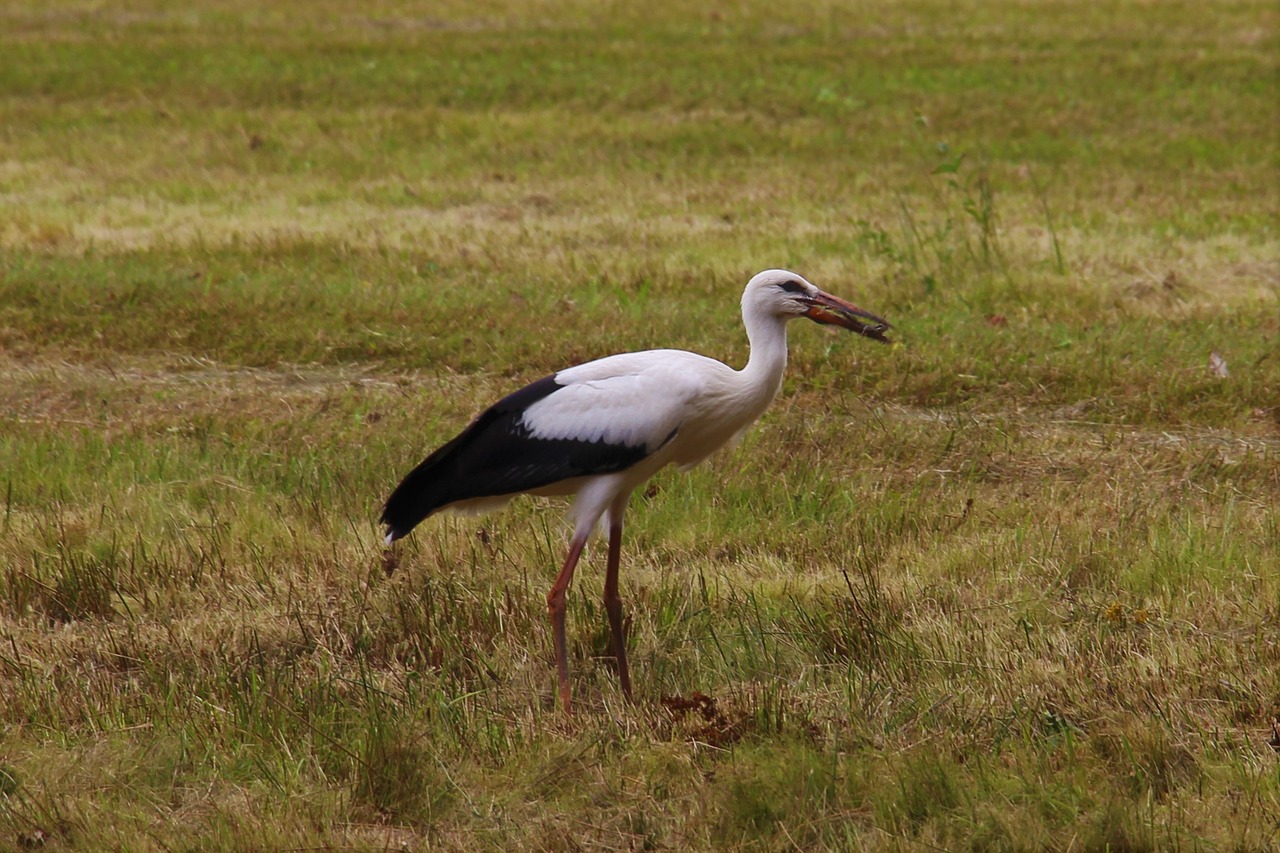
[1141,616]
[1114,612]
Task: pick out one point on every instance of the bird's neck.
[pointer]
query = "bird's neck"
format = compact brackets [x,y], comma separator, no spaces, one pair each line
[762,377]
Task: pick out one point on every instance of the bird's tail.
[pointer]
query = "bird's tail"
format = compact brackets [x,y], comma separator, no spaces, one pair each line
[424,490]
[479,451]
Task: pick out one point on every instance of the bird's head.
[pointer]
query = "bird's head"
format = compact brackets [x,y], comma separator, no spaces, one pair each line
[781,293]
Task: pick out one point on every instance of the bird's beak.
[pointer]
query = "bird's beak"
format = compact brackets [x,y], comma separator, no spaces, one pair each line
[832,310]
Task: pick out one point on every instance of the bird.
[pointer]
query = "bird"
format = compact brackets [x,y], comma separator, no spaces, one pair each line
[599,429]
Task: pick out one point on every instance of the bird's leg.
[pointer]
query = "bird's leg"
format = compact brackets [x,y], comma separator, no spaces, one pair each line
[613,605]
[556,607]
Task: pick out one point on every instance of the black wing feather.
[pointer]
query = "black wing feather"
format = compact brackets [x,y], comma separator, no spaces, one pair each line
[496,456]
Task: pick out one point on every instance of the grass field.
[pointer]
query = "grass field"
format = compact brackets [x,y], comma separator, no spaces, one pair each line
[1013,584]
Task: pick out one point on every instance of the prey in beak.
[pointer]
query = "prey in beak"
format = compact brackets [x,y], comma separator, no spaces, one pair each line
[834,311]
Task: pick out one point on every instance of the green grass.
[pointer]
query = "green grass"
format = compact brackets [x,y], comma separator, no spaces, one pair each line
[1013,584]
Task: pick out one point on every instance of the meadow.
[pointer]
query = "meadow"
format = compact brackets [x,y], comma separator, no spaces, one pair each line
[1011,584]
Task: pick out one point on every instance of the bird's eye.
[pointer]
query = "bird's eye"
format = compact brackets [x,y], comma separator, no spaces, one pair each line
[792,286]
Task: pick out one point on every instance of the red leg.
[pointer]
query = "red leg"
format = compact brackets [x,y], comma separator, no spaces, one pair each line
[613,605]
[556,609]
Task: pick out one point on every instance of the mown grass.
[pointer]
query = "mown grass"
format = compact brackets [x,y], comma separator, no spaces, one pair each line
[1014,584]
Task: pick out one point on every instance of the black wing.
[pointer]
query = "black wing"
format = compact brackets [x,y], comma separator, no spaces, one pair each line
[496,455]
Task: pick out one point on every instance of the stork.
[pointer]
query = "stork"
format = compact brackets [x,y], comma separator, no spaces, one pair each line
[599,429]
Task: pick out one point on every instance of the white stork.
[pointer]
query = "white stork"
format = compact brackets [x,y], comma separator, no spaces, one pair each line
[602,428]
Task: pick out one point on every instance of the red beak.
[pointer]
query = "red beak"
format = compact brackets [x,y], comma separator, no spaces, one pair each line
[832,310]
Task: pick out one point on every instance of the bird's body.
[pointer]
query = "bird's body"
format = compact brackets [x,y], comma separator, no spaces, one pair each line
[599,429]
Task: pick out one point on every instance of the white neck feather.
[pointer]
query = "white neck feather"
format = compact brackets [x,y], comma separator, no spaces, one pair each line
[767,336]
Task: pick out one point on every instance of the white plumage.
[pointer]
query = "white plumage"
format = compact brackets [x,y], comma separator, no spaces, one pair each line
[602,428]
